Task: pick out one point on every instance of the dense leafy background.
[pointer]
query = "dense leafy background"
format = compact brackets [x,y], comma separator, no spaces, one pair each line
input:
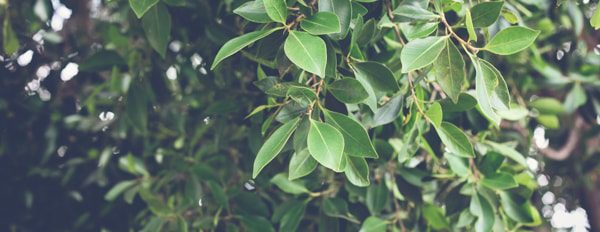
[177,115]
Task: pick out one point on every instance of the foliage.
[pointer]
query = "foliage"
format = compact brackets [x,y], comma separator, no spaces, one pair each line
[316,115]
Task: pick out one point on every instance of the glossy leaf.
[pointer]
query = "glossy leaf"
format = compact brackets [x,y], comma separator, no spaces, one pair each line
[321,23]
[326,145]
[388,112]
[377,75]
[356,140]
[253,11]
[434,113]
[273,146]
[343,10]
[419,53]
[357,171]
[301,164]
[455,140]
[485,82]
[276,10]
[470,27]
[307,51]
[409,12]
[511,40]
[235,45]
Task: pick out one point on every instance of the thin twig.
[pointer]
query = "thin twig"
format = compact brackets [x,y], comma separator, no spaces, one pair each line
[453,34]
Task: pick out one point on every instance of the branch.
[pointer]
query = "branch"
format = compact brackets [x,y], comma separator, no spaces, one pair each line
[571,144]
[465,43]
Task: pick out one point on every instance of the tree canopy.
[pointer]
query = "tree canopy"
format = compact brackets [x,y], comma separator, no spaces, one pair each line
[300,115]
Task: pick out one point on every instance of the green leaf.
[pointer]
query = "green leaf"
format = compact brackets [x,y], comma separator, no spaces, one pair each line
[516,207]
[465,102]
[511,40]
[374,224]
[356,140]
[140,7]
[218,194]
[326,145]
[549,121]
[289,186]
[254,223]
[419,53]
[276,10]
[302,95]
[336,207]
[343,10]
[321,23]
[292,217]
[449,70]
[575,98]
[120,187]
[435,114]
[486,13]
[301,164]
[435,217]
[409,13]
[388,112]
[418,29]
[490,163]
[157,26]
[470,27]
[595,20]
[377,198]
[377,75]
[508,152]
[499,181]
[137,107]
[455,140]
[348,90]
[485,83]
[481,208]
[547,105]
[236,44]
[458,165]
[357,171]
[253,11]
[10,42]
[273,145]
[307,51]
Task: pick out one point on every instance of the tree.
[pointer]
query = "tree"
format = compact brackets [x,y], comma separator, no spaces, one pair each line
[263,115]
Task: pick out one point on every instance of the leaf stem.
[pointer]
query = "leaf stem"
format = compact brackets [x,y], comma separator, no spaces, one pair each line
[453,34]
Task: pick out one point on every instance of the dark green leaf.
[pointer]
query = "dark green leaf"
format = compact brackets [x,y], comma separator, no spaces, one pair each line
[336,207]
[435,217]
[10,42]
[499,181]
[388,112]
[301,164]
[292,217]
[357,171]
[449,69]
[490,163]
[377,198]
[486,13]
[140,7]
[157,26]
[377,75]
[481,208]
[356,140]
[273,146]
[253,11]
[343,10]
[235,45]
[348,91]
[120,187]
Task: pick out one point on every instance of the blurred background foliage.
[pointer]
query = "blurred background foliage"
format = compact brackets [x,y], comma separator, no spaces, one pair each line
[99,132]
